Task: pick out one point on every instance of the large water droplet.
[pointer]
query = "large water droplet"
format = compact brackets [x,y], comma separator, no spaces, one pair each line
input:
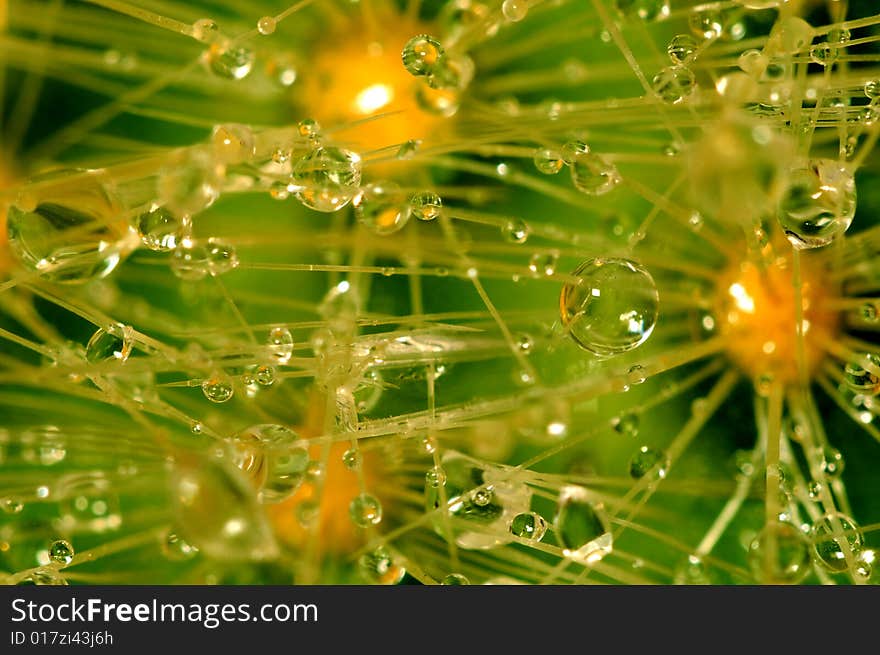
[274,457]
[382,208]
[70,227]
[582,526]
[780,554]
[612,309]
[593,174]
[326,179]
[218,513]
[61,552]
[819,204]
[829,551]
[422,54]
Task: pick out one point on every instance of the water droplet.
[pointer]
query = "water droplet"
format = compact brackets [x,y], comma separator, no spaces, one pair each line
[378,566]
[218,387]
[113,343]
[832,462]
[681,48]
[382,208]
[872,89]
[274,457]
[612,309]
[543,263]
[435,477]
[779,554]
[265,375]
[636,375]
[481,498]
[548,161]
[674,83]
[218,513]
[515,10]
[280,344]
[862,374]
[205,30]
[190,183]
[582,527]
[627,425]
[706,23]
[571,150]
[61,552]
[528,525]
[266,25]
[455,580]
[819,203]
[649,462]
[11,505]
[831,552]
[592,174]
[525,343]
[408,149]
[233,143]
[365,510]
[71,230]
[158,229]
[814,490]
[327,179]
[516,231]
[647,10]
[221,256]
[230,62]
[309,128]
[422,54]
[425,205]
[176,548]
[351,459]
[824,54]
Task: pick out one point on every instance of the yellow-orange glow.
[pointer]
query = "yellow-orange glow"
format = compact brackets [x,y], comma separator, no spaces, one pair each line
[756,312]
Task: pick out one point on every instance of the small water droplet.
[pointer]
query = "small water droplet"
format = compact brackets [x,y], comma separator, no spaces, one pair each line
[650,463]
[382,208]
[681,48]
[266,25]
[422,54]
[218,387]
[61,552]
[582,527]
[426,205]
[378,566]
[365,510]
[455,580]
[674,84]
[326,179]
[829,551]
[528,525]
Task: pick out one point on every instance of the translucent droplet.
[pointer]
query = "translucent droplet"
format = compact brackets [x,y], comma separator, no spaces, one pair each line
[832,462]
[71,229]
[829,551]
[543,263]
[158,229]
[824,54]
[351,459]
[627,425]
[176,549]
[582,527]
[647,10]
[266,25]
[422,54]
[218,513]
[780,554]
[515,10]
[528,525]
[548,161]
[426,205]
[593,174]
[233,143]
[222,256]
[681,48]
[327,179]
[674,83]
[435,477]
[274,457]
[365,510]
[265,375]
[692,571]
[382,208]
[46,576]
[819,203]
[11,505]
[706,23]
[205,30]
[482,499]
[190,183]
[218,388]
[378,566]
[516,231]
[650,463]
[280,344]
[443,101]
[61,552]
[455,580]
[612,309]
[113,343]
[571,150]
[862,374]
[408,149]
[230,62]
[872,89]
